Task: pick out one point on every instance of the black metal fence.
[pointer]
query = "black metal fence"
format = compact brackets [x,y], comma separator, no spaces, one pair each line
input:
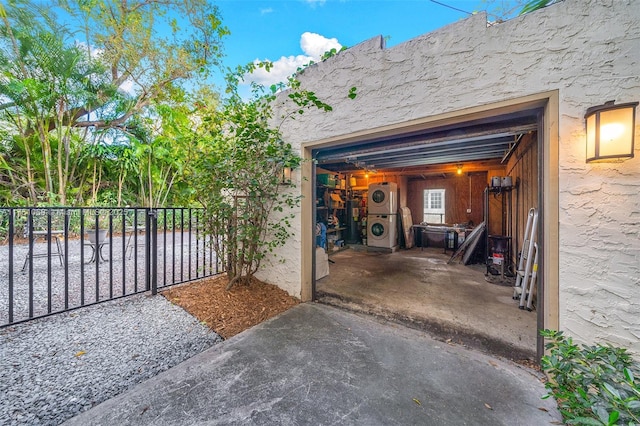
[61,258]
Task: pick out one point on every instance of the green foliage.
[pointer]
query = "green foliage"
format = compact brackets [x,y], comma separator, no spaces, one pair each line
[535,5]
[500,11]
[102,78]
[593,385]
[333,52]
[239,172]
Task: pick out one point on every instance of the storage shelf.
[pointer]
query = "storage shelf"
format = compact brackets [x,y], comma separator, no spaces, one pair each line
[330,205]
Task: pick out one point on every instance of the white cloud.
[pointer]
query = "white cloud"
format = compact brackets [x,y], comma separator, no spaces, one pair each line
[266,11]
[282,68]
[313,45]
[315,3]
[93,51]
[128,86]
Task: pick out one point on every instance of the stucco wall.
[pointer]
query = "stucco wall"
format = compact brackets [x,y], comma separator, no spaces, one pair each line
[587,50]
[283,268]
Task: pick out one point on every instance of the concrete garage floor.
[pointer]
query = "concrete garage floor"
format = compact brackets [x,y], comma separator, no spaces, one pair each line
[417,287]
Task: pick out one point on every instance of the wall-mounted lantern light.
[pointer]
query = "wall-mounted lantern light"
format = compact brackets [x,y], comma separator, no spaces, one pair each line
[459,169]
[610,131]
[285,177]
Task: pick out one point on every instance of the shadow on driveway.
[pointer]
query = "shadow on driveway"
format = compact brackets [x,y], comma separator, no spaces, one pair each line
[317,365]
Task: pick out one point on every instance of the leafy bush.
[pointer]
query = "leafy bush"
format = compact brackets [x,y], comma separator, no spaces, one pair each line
[593,385]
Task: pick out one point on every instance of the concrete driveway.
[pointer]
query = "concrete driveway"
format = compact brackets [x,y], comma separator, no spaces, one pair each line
[319,365]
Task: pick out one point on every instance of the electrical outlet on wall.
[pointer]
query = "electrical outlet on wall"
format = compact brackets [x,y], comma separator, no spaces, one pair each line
[468,210]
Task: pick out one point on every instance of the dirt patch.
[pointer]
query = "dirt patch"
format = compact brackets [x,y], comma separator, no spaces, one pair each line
[230,312]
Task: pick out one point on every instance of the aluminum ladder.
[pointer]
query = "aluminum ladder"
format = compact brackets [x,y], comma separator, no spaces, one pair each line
[526,273]
[527,293]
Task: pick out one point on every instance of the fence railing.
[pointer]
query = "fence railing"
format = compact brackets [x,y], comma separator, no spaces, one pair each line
[61,258]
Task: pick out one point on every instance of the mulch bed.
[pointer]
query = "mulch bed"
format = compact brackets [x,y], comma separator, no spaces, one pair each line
[230,312]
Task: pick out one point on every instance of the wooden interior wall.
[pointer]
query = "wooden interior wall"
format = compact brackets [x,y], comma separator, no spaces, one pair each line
[496,212]
[461,193]
[467,191]
[403,191]
[523,169]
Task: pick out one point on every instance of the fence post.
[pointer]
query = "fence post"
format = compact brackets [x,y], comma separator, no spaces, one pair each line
[154,250]
[11,237]
[30,236]
[147,249]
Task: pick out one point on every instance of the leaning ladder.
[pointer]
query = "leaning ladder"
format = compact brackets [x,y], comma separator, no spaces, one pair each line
[534,278]
[528,257]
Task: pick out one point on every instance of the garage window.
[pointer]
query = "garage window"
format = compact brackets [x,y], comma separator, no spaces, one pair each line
[434,206]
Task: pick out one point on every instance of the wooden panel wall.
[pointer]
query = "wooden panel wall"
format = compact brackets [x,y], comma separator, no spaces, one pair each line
[523,168]
[496,212]
[461,193]
[467,191]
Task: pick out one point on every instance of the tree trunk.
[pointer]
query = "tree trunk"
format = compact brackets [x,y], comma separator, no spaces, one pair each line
[46,159]
[95,183]
[121,178]
[150,181]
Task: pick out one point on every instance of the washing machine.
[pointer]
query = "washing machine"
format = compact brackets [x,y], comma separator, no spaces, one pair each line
[382,230]
[382,198]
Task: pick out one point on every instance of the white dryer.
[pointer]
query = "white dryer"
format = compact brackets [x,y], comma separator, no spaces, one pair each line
[382,230]
[382,198]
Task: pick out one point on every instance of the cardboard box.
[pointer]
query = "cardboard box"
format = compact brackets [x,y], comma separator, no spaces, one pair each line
[335,202]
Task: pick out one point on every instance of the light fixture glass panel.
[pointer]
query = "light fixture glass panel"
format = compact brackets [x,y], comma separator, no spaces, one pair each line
[615,132]
[285,176]
[610,132]
[591,136]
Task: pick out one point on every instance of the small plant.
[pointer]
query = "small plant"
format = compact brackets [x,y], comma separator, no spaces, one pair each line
[534,5]
[593,385]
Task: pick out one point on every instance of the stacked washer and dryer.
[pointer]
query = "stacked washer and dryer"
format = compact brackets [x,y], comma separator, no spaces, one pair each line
[382,215]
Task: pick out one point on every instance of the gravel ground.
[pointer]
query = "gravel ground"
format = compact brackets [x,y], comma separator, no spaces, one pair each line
[56,367]
[179,259]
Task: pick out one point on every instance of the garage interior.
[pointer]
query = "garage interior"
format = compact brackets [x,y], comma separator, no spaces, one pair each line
[445,254]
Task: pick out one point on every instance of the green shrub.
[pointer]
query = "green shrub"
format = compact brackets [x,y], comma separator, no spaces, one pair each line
[593,385]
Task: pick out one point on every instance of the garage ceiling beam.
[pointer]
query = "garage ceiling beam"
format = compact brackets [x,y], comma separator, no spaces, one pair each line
[419,161]
[422,169]
[490,139]
[391,163]
[494,145]
[408,143]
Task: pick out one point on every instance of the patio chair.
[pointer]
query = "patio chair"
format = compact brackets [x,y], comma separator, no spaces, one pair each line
[135,228]
[41,231]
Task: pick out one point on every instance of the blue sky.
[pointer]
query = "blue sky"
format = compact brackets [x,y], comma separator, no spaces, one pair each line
[291,32]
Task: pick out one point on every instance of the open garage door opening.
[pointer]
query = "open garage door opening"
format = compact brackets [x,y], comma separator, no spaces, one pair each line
[428,226]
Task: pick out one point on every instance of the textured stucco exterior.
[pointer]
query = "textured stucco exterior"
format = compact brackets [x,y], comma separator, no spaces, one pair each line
[586,51]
